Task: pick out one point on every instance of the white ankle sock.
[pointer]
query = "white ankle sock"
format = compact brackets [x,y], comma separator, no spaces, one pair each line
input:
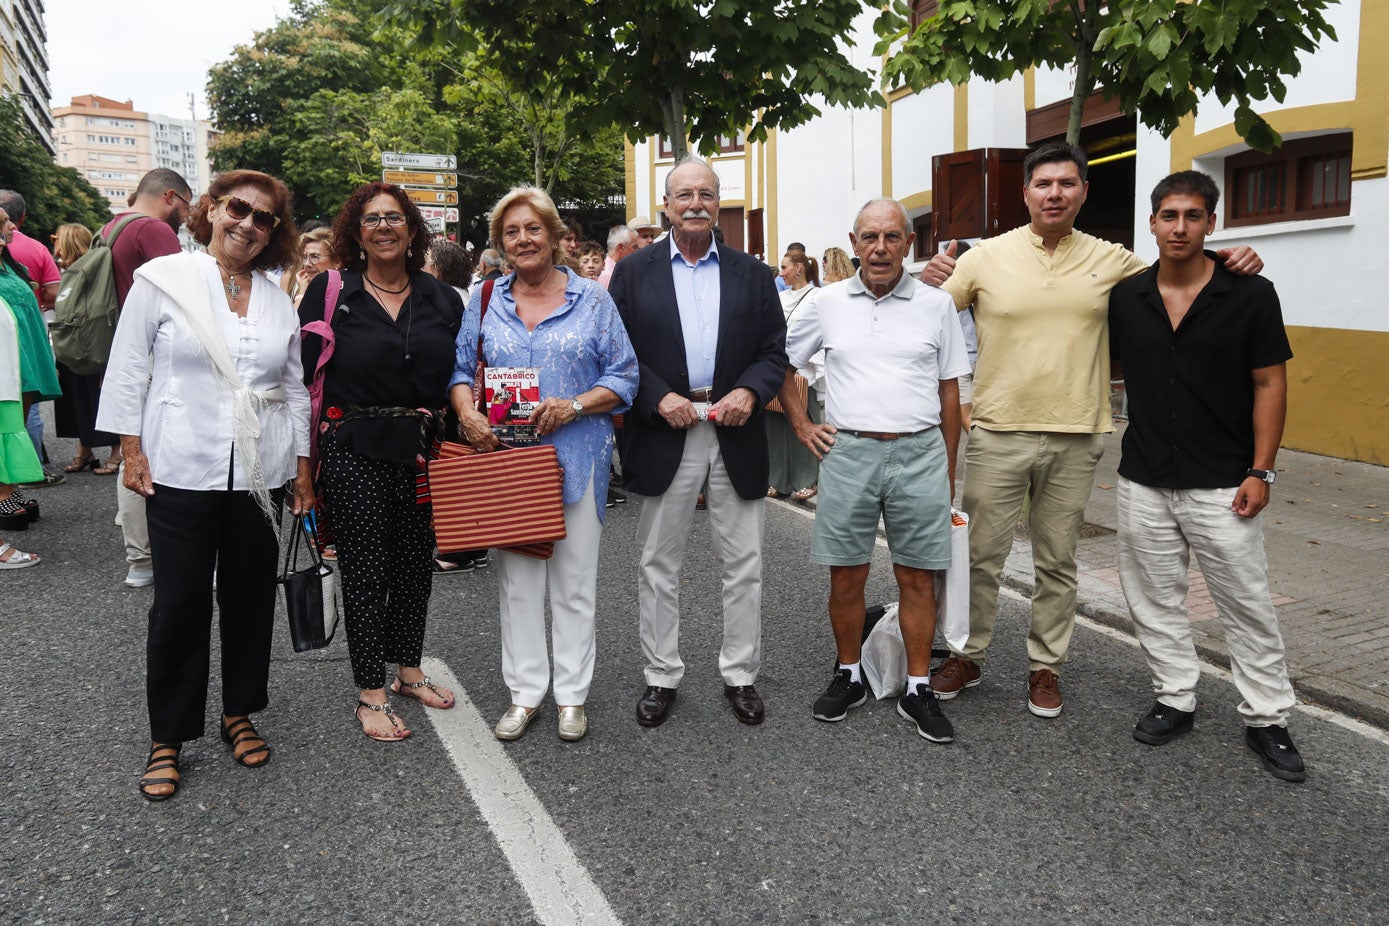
[914,680]
[853,668]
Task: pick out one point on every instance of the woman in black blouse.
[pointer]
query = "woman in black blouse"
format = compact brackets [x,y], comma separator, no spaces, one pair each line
[394,330]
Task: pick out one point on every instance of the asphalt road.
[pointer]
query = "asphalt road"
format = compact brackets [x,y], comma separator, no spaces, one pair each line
[700,821]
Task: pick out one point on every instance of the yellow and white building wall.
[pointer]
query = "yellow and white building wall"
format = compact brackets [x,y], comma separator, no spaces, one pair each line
[1332,273]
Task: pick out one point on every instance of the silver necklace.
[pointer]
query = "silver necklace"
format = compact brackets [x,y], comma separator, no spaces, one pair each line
[231,286]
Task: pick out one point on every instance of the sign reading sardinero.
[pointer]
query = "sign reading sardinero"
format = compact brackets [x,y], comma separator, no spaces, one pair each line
[401,159]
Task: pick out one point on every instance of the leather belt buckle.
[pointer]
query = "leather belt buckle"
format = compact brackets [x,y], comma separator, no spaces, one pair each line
[702,395]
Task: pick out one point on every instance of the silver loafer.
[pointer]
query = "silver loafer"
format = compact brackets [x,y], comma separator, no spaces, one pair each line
[573,723]
[514,722]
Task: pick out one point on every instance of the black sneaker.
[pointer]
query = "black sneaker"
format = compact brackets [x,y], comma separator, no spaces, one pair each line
[1275,747]
[448,564]
[481,559]
[1163,724]
[923,708]
[843,693]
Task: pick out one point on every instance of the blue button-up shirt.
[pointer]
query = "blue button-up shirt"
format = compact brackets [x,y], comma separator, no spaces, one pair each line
[697,296]
[582,344]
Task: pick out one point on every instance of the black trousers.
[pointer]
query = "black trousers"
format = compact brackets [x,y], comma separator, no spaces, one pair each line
[385,544]
[191,534]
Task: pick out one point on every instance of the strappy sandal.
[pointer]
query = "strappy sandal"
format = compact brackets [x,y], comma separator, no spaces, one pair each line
[109,468]
[804,495]
[241,731]
[78,463]
[17,558]
[410,690]
[390,713]
[160,763]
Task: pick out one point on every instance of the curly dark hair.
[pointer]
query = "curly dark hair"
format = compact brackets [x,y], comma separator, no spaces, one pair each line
[451,262]
[347,242]
[282,248]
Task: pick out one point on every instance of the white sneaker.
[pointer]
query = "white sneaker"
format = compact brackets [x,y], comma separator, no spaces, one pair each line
[139,578]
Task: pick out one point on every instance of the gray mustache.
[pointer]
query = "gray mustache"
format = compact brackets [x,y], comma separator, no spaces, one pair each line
[696,214]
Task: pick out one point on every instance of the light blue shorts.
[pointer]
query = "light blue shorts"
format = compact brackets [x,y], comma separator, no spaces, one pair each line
[904,482]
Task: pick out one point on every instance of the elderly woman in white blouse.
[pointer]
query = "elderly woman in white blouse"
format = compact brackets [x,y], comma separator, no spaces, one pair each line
[205,388]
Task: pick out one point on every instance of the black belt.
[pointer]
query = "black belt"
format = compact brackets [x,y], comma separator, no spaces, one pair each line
[883,435]
[702,395]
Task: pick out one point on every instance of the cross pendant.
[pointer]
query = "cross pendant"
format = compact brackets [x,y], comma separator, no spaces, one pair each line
[233,288]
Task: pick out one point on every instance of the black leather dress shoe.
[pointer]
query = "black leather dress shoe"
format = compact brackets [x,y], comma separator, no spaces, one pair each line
[654,706]
[1163,724]
[747,703]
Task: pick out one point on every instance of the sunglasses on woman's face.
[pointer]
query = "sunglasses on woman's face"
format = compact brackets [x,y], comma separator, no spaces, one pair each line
[238,209]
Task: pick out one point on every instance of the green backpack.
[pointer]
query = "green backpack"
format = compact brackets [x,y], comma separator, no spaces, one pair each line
[86,309]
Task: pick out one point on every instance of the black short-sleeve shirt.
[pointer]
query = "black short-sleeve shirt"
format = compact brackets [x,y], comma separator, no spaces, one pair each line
[1191,391]
[377,361]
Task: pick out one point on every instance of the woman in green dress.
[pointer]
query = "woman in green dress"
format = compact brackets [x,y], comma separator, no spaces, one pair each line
[38,382]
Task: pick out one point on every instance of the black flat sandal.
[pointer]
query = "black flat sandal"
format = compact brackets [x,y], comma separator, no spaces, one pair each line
[159,763]
[238,732]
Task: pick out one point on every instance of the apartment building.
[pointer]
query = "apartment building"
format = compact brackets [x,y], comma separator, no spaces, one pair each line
[24,63]
[114,145]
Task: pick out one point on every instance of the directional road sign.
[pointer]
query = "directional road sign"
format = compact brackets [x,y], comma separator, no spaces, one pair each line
[409,160]
[420,178]
[431,196]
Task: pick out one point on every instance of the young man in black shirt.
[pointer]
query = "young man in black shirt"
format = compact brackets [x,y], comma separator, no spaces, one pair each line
[1203,354]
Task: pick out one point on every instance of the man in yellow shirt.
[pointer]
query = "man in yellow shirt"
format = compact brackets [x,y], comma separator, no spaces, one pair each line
[1041,407]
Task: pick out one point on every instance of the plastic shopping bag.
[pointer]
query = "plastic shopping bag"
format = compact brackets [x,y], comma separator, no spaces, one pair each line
[883,660]
[952,586]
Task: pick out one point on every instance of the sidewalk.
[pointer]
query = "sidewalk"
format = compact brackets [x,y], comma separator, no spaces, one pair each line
[1327,535]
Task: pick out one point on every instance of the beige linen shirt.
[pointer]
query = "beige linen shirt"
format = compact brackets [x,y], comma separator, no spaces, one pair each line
[1043,326]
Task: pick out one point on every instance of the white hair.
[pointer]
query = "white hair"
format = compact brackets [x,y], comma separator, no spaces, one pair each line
[691,159]
[618,236]
[883,200]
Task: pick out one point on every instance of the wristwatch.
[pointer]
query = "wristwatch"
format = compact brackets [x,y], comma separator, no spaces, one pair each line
[578,408]
[1267,475]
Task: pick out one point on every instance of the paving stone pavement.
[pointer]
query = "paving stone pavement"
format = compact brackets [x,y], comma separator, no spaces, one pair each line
[1326,531]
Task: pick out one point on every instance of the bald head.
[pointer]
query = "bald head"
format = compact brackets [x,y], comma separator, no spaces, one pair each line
[692,202]
[883,208]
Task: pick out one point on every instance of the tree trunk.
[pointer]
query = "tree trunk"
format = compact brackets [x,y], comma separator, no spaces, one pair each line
[1085,85]
[673,109]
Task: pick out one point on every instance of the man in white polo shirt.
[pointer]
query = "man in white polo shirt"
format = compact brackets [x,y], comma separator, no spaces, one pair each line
[893,350]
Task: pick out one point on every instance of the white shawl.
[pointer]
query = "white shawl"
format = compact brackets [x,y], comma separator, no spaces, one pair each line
[183,281]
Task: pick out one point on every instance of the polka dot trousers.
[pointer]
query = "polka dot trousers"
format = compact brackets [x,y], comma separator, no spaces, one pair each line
[384,542]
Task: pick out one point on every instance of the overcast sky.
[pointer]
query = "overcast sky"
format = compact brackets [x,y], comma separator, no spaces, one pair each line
[153,52]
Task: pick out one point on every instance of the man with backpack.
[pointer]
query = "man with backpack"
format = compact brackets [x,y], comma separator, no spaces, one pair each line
[165,197]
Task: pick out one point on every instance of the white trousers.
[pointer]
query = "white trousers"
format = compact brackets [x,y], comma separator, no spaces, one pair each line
[1158,529]
[736,524]
[130,518]
[572,577]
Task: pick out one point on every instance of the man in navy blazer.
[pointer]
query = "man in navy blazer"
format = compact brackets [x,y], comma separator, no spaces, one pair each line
[710,337]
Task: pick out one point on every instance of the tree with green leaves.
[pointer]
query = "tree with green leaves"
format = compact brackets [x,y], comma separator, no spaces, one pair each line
[53,194]
[686,70]
[317,97]
[1157,57]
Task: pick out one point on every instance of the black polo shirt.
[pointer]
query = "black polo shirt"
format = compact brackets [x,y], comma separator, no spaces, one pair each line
[1191,391]
[404,362]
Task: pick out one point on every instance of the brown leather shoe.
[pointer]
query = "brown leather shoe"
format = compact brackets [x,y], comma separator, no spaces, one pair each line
[654,706]
[954,675]
[1044,693]
[747,703]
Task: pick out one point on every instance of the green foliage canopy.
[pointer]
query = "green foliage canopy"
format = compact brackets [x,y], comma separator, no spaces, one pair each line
[54,194]
[1157,57]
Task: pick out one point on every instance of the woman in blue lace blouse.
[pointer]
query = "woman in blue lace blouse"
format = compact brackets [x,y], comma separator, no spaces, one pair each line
[545,317]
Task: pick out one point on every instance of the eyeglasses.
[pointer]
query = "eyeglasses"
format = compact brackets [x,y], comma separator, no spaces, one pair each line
[187,202]
[393,219]
[686,196]
[238,209]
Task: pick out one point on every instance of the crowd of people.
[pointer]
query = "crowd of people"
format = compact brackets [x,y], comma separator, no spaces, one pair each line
[719,384]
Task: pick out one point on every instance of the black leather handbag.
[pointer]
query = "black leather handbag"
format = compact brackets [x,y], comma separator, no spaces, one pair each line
[304,592]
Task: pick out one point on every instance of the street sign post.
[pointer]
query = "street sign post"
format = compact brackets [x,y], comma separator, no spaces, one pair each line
[412,160]
[432,197]
[420,178]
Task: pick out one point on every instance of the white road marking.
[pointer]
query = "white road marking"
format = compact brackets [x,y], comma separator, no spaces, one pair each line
[1215,671]
[559,887]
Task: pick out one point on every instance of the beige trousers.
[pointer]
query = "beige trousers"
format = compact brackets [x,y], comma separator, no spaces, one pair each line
[1001,468]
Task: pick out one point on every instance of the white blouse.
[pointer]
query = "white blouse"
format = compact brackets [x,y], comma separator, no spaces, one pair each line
[9,356]
[161,386]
